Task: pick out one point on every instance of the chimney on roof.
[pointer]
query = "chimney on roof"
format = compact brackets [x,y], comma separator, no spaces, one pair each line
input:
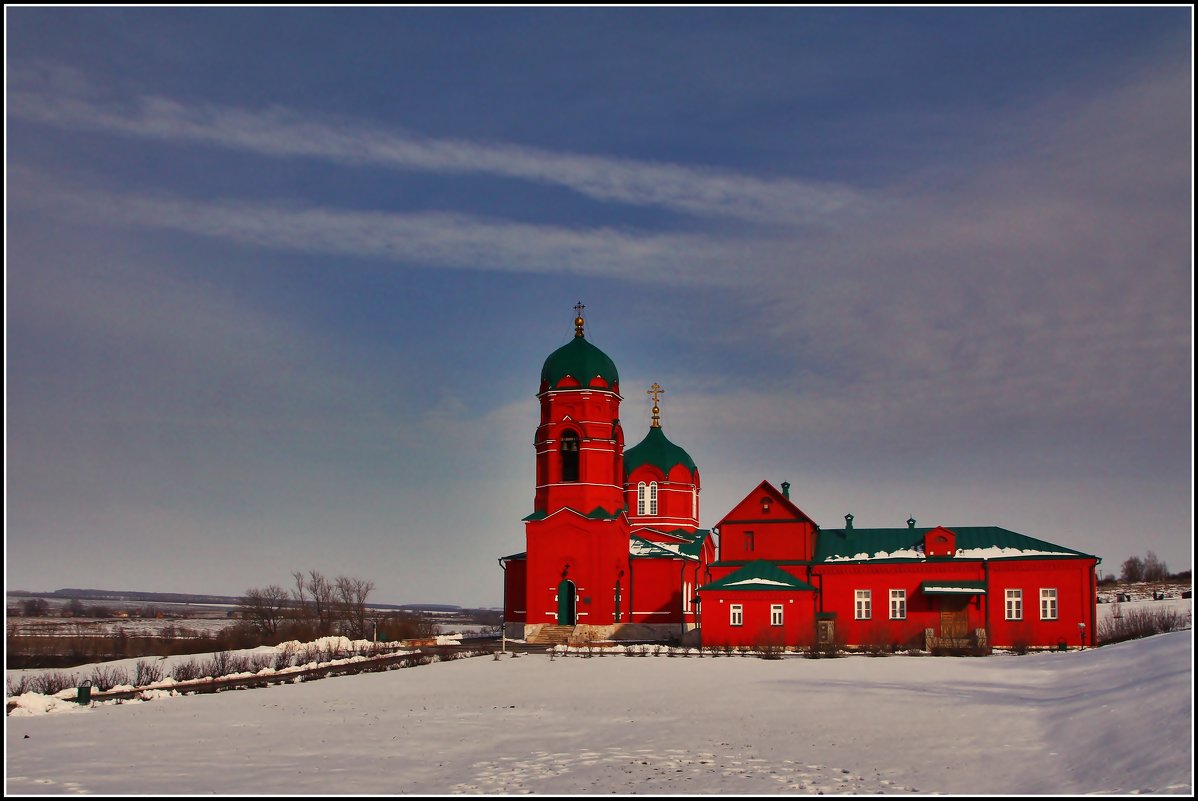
[785,489]
[848,522]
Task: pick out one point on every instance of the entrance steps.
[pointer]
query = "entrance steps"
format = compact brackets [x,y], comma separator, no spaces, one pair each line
[552,635]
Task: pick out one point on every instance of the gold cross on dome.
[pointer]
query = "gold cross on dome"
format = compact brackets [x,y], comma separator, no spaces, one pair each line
[656,392]
[578,321]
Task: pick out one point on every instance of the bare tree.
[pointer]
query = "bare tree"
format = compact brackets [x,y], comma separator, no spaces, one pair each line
[1154,568]
[317,599]
[351,601]
[265,608]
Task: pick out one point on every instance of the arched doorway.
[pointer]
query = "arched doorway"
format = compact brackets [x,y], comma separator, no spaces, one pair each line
[567,596]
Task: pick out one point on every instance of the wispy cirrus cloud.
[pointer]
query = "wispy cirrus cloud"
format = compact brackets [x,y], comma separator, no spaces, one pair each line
[433,239]
[284,133]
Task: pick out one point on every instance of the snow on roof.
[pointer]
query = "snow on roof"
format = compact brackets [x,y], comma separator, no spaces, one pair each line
[906,553]
[758,581]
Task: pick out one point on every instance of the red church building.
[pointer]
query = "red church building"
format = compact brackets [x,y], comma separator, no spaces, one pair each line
[614,552]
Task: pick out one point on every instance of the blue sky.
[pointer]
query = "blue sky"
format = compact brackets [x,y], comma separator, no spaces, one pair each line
[279,282]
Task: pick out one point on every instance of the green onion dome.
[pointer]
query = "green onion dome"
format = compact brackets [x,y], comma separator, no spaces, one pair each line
[580,360]
[656,450]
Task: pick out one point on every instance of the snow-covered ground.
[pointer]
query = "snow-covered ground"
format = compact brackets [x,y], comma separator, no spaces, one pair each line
[1117,719]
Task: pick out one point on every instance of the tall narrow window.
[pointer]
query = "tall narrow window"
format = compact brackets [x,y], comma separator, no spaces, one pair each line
[736,615]
[1048,604]
[750,542]
[686,596]
[569,456]
[653,497]
[898,604]
[641,498]
[861,608]
[695,503]
[775,614]
[1014,604]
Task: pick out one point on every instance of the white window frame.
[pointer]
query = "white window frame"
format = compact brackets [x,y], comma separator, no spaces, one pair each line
[1048,603]
[652,498]
[1014,604]
[736,615]
[776,614]
[898,604]
[640,498]
[862,603]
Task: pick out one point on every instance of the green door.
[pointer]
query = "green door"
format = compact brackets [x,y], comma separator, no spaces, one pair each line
[566,597]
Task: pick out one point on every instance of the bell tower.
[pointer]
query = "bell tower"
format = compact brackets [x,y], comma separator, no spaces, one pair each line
[579,442]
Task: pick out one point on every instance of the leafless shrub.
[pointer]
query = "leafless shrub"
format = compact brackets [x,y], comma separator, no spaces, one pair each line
[284,656]
[17,685]
[52,682]
[256,663]
[770,646]
[187,671]
[146,673]
[105,677]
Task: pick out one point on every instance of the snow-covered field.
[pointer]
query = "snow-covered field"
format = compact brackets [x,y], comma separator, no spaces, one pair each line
[1112,720]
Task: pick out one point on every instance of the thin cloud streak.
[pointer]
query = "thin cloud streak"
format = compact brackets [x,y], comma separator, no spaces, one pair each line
[423,239]
[283,133]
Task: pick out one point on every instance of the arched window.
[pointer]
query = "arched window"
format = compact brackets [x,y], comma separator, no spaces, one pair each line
[569,456]
[653,497]
[640,498]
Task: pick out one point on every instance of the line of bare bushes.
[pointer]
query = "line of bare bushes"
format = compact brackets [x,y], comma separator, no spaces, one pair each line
[220,664]
[1136,623]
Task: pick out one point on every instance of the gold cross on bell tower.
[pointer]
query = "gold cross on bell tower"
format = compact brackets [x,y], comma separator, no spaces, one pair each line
[656,392]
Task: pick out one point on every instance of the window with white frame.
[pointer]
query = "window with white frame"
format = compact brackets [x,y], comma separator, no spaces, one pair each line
[736,615]
[1014,604]
[861,609]
[1048,603]
[898,604]
[652,497]
[640,498]
[775,614]
[686,596]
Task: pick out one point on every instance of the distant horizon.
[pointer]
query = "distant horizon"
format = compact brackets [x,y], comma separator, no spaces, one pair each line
[280,282]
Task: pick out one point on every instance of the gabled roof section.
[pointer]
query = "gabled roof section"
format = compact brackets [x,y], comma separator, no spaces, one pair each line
[598,513]
[759,575]
[781,507]
[907,545]
[685,546]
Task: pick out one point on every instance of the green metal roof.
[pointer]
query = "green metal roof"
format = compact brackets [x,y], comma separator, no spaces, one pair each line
[906,544]
[598,513]
[689,545]
[656,450]
[759,575]
[582,361]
